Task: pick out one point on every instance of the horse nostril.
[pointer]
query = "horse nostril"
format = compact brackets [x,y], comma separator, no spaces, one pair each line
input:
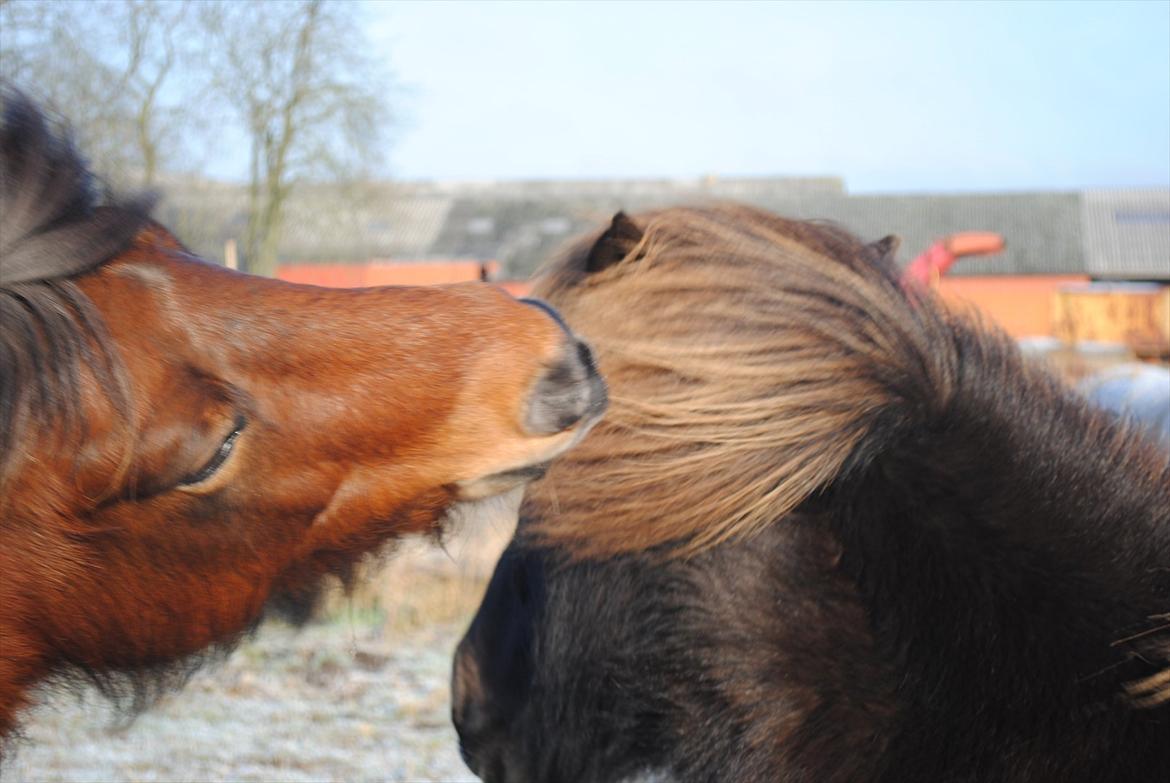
[570,392]
[585,355]
[471,749]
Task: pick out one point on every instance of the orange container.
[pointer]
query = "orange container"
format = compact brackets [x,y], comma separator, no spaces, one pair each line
[1132,314]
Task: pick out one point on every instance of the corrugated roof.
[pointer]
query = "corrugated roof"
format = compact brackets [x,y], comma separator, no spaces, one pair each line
[322,223]
[1042,229]
[203,213]
[1127,233]
[523,223]
[1105,234]
[325,223]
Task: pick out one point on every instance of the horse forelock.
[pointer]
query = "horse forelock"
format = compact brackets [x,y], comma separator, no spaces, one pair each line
[54,220]
[54,226]
[747,356]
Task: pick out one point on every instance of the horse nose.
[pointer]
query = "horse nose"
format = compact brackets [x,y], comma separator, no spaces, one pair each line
[571,392]
[468,711]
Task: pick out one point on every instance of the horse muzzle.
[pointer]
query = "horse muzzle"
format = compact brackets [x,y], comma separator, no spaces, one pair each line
[571,393]
[564,402]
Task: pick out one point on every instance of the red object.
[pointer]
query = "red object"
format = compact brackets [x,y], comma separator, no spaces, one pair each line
[927,268]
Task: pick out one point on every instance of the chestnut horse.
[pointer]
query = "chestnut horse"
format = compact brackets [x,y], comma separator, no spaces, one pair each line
[829,531]
[181,443]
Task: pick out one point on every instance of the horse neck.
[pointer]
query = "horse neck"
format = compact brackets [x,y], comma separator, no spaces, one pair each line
[1005,543]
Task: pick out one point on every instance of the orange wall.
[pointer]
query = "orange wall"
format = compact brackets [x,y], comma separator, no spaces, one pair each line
[516,288]
[332,275]
[385,273]
[1021,305]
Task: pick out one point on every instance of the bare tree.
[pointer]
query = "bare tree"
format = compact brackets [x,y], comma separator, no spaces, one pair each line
[49,50]
[309,95]
[150,31]
[104,65]
[135,76]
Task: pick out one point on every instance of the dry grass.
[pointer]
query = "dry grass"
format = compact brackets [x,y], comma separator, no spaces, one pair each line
[423,584]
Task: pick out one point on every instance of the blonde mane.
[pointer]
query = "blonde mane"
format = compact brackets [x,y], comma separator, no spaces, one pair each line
[752,362]
[746,355]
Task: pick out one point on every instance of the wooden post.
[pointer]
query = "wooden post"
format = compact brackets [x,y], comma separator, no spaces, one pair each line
[230,257]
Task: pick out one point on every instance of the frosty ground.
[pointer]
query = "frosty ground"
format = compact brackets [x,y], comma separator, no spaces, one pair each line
[360,696]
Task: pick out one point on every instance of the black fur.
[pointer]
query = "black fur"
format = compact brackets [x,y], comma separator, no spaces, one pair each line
[968,600]
[594,672]
[614,244]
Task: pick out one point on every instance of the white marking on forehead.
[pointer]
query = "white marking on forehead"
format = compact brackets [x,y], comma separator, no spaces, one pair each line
[149,274]
[158,280]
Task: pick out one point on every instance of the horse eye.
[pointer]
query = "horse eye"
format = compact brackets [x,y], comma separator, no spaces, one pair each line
[221,456]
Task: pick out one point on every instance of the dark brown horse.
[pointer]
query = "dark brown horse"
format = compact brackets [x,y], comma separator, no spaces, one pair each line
[829,531]
[180,443]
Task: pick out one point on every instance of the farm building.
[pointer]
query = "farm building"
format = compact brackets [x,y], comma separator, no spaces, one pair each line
[503,230]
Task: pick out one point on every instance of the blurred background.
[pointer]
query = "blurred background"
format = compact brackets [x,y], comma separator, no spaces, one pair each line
[1020,150]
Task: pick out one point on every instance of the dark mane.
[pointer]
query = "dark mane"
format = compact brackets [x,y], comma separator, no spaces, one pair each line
[54,225]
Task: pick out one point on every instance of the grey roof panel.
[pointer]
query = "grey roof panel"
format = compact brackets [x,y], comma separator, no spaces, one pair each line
[1105,234]
[1127,233]
[338,224]
[1042,230]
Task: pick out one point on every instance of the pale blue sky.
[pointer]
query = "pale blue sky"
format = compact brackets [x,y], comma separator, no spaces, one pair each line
[890,96]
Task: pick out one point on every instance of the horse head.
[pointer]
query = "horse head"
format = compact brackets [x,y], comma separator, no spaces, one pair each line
[830,530]
[181,443]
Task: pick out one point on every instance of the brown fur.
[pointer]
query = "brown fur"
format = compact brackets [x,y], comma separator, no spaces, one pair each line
[125,366]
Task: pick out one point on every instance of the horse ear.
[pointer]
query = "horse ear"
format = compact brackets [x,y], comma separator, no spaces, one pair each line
[886,248]
[614,244]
